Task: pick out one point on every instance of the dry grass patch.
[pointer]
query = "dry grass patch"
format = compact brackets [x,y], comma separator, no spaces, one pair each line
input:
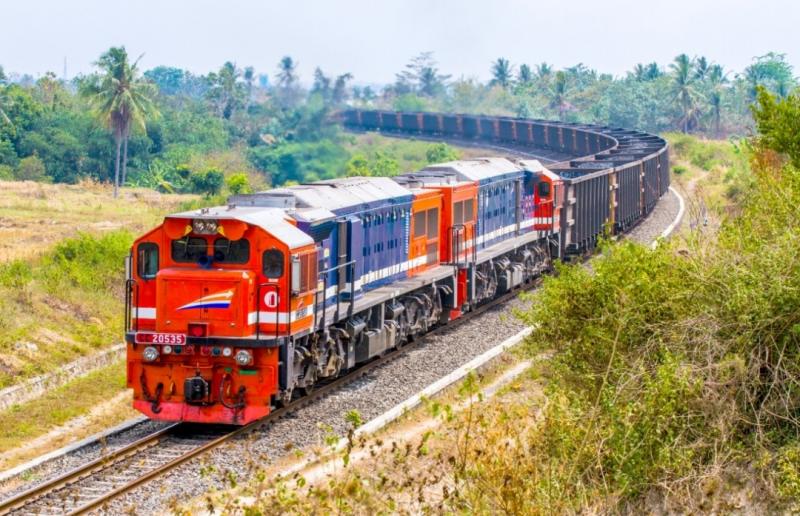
[34,216]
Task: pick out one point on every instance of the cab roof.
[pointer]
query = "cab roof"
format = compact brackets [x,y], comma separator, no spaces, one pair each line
[272,220]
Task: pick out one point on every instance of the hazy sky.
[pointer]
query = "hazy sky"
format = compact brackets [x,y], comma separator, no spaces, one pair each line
[374,39]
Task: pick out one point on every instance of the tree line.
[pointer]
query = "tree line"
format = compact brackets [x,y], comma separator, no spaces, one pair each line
[690,94]
[169,129]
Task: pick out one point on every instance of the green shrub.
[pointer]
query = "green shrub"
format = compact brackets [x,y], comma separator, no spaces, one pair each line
[31,169]
[238,184]
[15,274]
[86,262]
[441,153]
[668,358]
[209,182]
[679,170]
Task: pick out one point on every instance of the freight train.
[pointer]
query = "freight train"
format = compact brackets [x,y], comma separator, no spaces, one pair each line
[234,310]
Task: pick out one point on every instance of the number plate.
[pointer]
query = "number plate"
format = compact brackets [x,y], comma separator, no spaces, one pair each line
[161,338]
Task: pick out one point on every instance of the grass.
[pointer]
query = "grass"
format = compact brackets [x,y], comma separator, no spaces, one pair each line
[35,216]
[715,173]
[65,304]
[79,397]
[61,269]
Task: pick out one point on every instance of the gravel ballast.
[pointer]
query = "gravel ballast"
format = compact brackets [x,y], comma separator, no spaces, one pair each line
[664,212]
[370,395]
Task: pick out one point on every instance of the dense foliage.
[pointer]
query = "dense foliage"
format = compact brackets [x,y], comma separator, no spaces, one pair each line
[675,363]
[690,94]
[180,132]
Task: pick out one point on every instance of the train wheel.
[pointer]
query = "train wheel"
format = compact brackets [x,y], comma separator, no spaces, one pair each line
[309,380]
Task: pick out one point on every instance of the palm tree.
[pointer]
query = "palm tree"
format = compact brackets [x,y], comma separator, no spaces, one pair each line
[683,85]
[525,75]
[122,99]
[225,90]
[558,94]
[287,81]
[249,77]
[543,71]
[501,72]
[716,79]
[701,68]
[287,72]
[652,71]
[640,72]
[3,105]
[3,101]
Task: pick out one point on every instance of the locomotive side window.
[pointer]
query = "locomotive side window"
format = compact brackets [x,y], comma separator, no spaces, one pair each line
[237,251]
[272,262]
[419,224]
[463,212]
[544,189]
[433,223]
[147,260]
[189,249]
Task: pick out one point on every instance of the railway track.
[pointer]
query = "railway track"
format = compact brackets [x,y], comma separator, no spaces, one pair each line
[92,485]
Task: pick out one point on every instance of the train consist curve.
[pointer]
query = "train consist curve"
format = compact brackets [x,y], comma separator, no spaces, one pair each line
[233,310]
[610,176]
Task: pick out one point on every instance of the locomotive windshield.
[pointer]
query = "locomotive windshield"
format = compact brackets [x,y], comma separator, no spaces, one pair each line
[189,249]
[226,251]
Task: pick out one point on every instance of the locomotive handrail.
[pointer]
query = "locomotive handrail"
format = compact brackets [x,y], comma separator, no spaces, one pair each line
[458,244]
[130,284]
[352,269]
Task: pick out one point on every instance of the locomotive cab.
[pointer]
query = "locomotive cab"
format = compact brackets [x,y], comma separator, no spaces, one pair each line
[211,296]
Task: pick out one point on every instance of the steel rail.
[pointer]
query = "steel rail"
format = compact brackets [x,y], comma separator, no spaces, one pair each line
[102,463]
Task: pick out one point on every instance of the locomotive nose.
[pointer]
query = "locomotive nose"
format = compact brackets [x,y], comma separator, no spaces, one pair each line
[216,299]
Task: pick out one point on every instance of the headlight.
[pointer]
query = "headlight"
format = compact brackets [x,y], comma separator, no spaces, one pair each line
[167,349]
[150,353]
[244,357]
[205,226]
[226,352]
